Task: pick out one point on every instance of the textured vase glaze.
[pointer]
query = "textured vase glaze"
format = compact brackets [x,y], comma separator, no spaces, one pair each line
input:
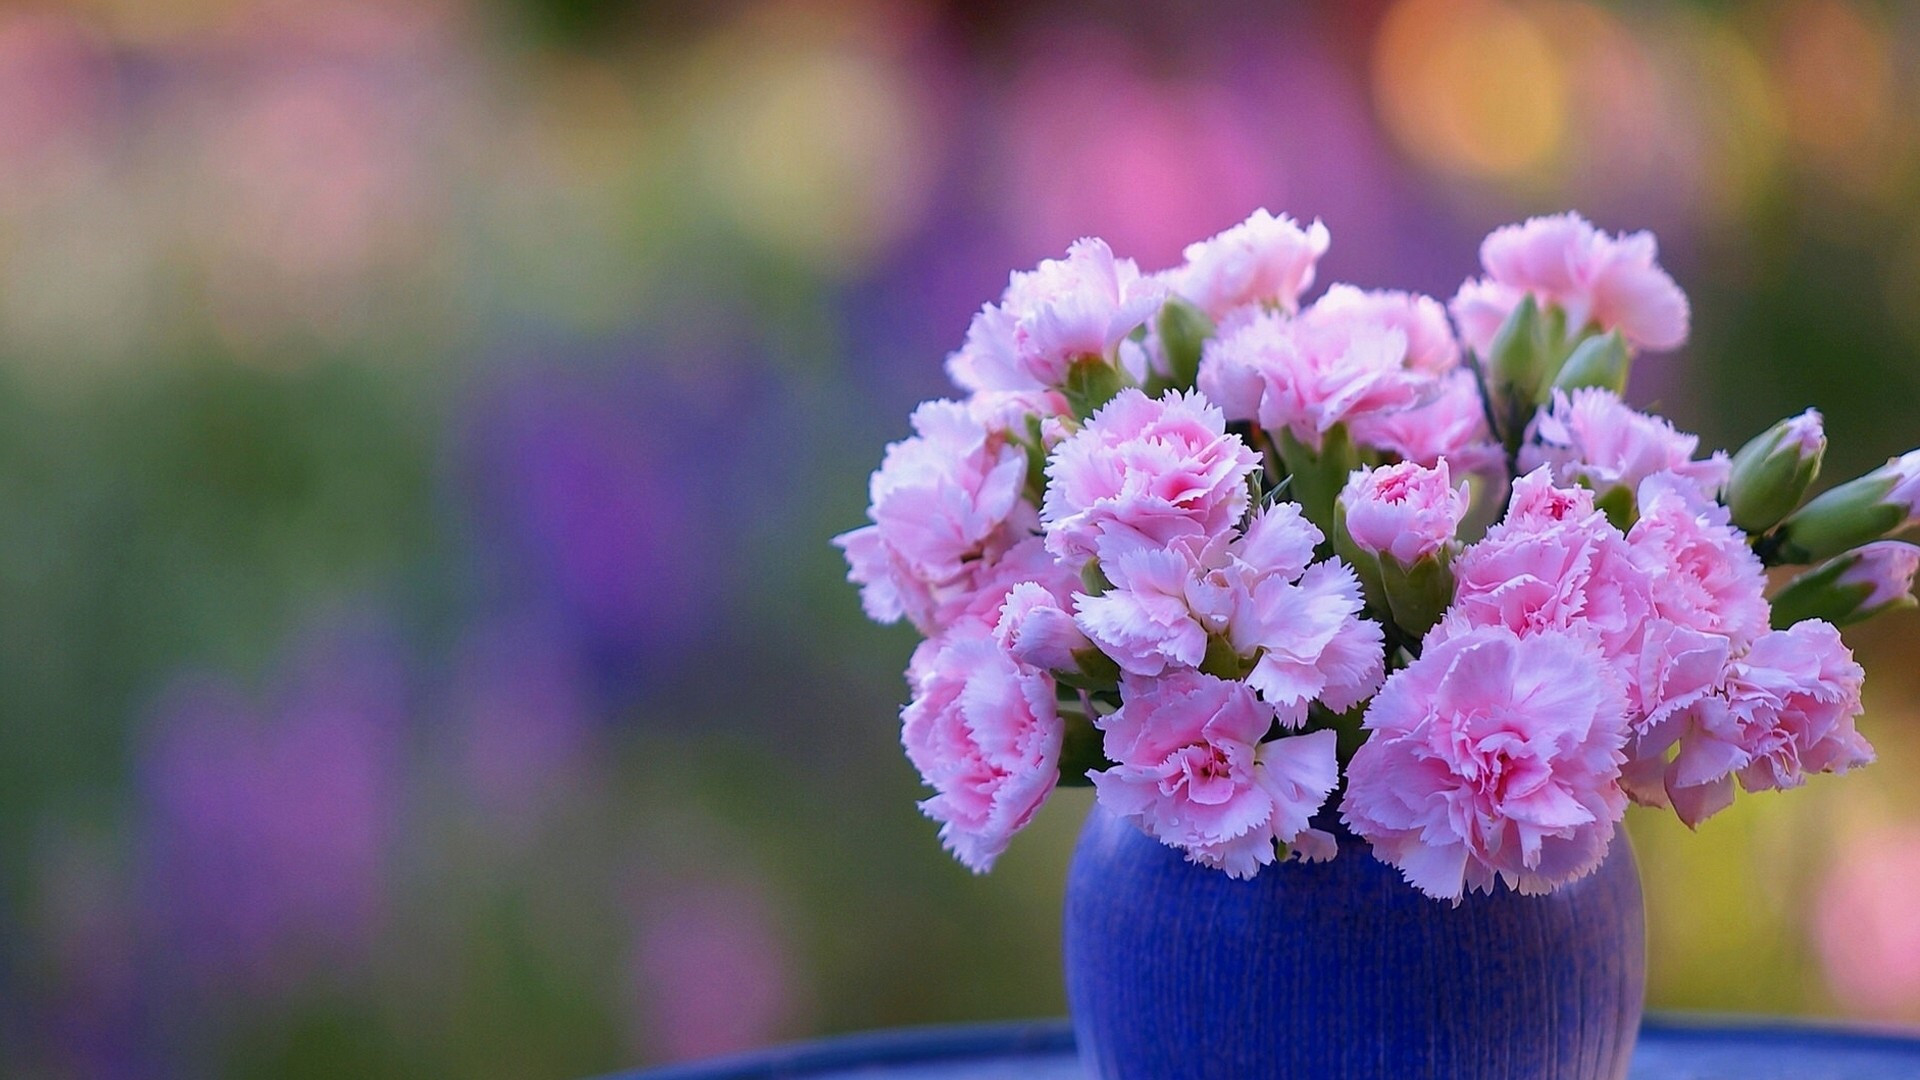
[1342,970]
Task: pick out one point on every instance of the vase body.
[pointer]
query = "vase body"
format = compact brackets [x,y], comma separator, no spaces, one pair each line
[1342,970]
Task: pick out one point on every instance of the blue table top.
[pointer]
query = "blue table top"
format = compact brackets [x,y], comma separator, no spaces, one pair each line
[1670,1048]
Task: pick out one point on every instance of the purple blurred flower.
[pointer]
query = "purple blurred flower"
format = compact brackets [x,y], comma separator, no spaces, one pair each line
[522,713]
[713,973]
[87,1017]
[268,828]
[605,496]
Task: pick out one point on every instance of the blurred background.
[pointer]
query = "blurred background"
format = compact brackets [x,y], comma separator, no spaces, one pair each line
[421,424]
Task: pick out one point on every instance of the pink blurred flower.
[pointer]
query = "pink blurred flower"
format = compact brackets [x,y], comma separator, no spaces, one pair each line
[1099,143]
[1492,756]
[1148,472]
[714,973]
[1431,348]
[1406,511]
[1193,772]
[1863,924]
[1610,282]
[1591,437]
[1063,311]
[1704,575]
[1263,260]
[942,501]
[983,731]
[1450,422]
[1306,375]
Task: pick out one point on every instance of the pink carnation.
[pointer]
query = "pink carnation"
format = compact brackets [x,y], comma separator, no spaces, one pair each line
[1591,437]
[983,732]
[1307,375]
[1060,312]
[1492,755]
[943,502]
[1607,282]
[1787,710]
[1192,771]
[1147,472]
[994,579]
[1448,421]
[1704,575]
[1797,694]
[1148,623]
[1431,348]
[1405,511]
[1311,643]
[1298,624]
[1037,631]
[1263,260]
[1554,564]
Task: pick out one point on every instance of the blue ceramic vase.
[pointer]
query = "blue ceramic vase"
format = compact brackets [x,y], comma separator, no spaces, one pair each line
[1342,970]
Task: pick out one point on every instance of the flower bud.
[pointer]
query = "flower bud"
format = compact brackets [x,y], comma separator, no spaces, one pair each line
[1091,382]
[1601,360]
[1771,473]
[1517,357]
[1884,501]
[1858,585]
[1037,631]
[1184,330]
[1397,525]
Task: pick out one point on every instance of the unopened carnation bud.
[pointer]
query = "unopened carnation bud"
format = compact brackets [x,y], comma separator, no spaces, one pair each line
[1397,525]
[1886,500]
[1407,511]
[1602,360]
[1860,584]
[1184,330]
[1771,473]
[1517,357]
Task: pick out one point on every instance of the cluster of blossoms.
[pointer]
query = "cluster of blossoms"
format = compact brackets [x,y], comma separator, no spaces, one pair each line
[1263,570]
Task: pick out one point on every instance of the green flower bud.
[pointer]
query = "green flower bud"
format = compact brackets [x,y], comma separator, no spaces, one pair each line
[1517,355]
[1184,330]
[1860,584]
[1601,360]
[1772,473]
[1092,381]
[1884,501]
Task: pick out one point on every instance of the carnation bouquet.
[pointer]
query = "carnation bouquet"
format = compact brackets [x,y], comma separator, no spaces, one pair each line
[1258,568]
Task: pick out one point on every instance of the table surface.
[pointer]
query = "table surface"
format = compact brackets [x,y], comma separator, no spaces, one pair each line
[1670,1048]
